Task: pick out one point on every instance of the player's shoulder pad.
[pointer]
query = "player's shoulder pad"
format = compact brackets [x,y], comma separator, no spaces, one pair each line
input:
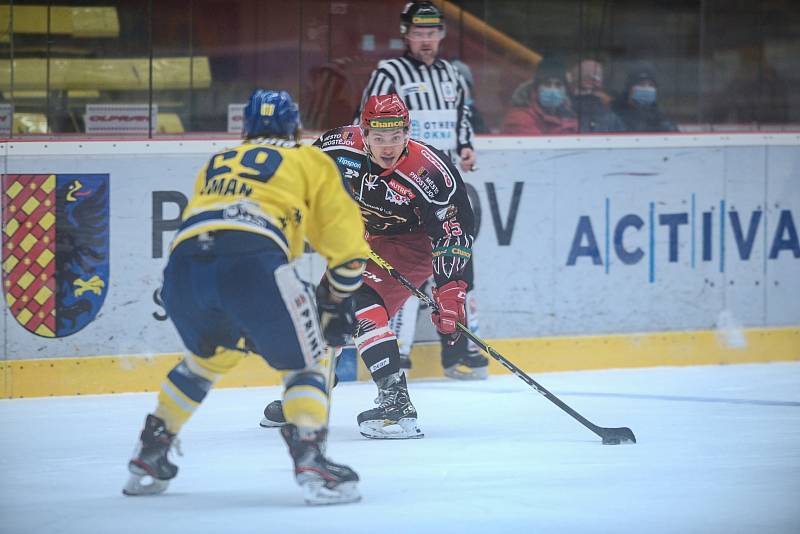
[319,160]
[344,137]
[427,170]
[235,148]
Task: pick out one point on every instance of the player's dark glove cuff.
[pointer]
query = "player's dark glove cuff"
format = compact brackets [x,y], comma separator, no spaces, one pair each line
[336,319]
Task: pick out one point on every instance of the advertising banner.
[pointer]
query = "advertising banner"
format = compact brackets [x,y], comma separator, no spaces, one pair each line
[235,118]
[609,238]
[125,119]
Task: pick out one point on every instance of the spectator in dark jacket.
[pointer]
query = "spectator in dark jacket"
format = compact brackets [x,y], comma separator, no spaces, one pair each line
[542,106]
[589,100]
[637,106]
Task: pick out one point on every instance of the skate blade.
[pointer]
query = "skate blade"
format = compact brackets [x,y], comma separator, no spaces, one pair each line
[458,372]
[402,429]
[269,423]
[316,494]
[144,485]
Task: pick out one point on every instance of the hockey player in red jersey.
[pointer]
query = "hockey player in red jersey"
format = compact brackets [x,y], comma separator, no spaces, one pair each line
[417,215]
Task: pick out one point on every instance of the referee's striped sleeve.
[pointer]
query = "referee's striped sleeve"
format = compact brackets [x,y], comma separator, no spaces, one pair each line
[463,124]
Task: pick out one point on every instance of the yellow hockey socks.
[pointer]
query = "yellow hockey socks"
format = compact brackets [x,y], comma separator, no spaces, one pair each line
[188,383]
[305,400]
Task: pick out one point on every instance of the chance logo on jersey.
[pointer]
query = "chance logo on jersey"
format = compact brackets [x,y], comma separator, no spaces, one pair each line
[55,250]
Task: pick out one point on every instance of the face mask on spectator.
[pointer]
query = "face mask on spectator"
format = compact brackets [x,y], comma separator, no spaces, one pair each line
[551,97]
[643,95]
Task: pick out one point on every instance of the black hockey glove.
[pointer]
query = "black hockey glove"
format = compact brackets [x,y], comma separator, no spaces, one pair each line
[337,319]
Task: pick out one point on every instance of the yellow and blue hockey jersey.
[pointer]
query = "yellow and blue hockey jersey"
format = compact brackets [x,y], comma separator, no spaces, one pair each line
[286,192]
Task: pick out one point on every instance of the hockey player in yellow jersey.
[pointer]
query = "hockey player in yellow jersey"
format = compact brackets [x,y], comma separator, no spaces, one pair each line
[230,280]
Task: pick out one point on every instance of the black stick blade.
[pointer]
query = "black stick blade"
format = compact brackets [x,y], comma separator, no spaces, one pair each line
[617,436]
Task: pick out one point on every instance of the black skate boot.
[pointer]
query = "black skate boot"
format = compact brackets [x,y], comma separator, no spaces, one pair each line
[150,468]
[463,361]
[323,481]
[405,364]
[395,417]
[471,366]
[273,415]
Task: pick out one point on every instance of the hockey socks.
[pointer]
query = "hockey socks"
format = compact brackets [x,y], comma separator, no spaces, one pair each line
[305,400]
[273,413]
[376,343]
[188,383]
[185,387]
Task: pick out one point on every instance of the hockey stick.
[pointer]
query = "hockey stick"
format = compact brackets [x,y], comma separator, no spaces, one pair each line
[611,436]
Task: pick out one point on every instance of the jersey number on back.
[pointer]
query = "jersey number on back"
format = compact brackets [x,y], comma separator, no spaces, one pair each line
[259,163]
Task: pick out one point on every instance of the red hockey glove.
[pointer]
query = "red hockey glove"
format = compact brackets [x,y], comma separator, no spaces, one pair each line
[450,299]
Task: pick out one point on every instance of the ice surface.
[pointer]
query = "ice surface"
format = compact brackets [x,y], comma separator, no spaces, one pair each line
[718,452]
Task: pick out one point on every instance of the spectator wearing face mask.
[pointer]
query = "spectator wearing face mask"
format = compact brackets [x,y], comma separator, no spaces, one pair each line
[542,106]
[590,101]
[637,106]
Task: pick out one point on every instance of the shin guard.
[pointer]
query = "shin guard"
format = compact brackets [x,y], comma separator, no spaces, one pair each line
[376,343]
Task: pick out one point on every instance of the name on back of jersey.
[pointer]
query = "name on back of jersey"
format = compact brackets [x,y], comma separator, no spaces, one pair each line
[226,187]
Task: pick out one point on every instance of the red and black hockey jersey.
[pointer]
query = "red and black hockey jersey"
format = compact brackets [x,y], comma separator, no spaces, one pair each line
[423,193]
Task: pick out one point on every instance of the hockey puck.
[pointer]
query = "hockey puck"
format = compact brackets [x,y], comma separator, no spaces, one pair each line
[611,441]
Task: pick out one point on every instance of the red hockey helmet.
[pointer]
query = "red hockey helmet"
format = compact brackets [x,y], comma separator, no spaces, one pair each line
[384,112]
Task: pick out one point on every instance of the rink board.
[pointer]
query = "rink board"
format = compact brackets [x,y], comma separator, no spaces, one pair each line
[114,374]
[590,237]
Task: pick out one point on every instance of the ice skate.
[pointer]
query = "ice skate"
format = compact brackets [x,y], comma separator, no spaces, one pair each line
[273,415]
[472,366]
[150,468]
[322,481]
[395,417]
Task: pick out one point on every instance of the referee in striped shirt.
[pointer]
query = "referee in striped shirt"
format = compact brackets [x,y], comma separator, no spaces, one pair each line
[431,87]
[436,95]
